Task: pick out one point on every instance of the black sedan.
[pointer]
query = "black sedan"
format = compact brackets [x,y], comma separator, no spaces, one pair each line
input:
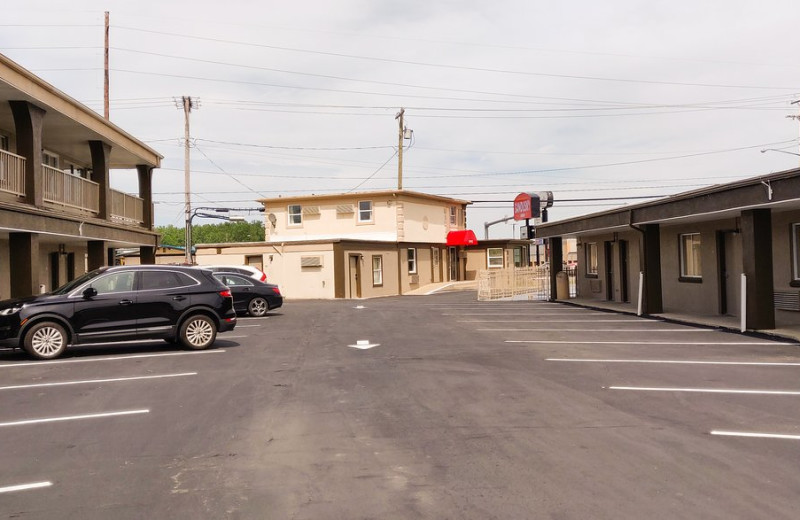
[250,295]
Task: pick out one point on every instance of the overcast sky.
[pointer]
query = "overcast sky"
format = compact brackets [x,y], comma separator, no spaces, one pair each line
[589,100]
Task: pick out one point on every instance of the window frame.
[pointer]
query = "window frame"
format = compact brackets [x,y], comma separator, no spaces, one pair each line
[453,216]
[377,270]
[290,214]
[490,257]
[684,274]
[590,254]
[371,212]
[412,260]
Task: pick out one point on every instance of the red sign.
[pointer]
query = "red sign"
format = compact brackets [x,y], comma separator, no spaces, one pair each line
[523,209]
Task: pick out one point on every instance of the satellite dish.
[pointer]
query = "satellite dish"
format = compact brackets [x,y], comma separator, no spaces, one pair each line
[272,219]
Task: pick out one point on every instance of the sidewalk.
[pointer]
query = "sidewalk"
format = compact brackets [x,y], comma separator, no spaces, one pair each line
[728,323]
[433,288]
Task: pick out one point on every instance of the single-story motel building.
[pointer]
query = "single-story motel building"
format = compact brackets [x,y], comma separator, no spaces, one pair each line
[728,254]
[347,268]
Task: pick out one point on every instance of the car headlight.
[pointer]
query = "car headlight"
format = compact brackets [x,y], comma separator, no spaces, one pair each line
[9,311]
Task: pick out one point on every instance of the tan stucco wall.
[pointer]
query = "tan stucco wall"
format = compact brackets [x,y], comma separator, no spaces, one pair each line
[395,218]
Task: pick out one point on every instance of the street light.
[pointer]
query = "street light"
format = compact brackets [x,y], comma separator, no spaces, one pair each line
[781,151]
[202,213]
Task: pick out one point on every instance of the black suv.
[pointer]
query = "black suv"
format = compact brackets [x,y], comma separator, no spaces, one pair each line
[121,303]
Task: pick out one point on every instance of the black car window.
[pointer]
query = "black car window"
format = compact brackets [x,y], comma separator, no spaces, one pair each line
[233,280]
[164,280]
[113,283]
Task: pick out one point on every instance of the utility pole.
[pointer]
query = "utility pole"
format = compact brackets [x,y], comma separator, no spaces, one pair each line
[105,68]
[797,117]
[400,133]
[187,103]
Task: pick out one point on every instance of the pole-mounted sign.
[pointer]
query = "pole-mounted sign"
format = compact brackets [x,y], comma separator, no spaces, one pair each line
[530,205]
[526,205]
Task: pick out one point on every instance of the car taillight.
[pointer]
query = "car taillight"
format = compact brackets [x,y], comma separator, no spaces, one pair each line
[226,293]
[263,277]
[276,291]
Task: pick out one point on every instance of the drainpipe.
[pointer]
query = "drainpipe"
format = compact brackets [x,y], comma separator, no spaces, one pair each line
[641,307]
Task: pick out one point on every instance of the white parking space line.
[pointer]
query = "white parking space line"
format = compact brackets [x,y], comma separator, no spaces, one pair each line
[706,390]
[731,343]
[755,434]
[629,320]
[509,313]
[677,362]
[90,381]
[595,330]
[73,417]
[24,487]
[112,358]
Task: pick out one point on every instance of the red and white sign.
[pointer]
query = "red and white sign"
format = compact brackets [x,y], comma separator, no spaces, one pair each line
[523,206]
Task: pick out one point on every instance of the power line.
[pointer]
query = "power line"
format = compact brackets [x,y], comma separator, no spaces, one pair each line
[453,67]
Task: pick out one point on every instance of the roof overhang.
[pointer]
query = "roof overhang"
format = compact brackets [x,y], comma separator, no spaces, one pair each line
[68,125]
[779,192]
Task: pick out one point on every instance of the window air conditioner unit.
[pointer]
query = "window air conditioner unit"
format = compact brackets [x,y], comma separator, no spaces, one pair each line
[310,261]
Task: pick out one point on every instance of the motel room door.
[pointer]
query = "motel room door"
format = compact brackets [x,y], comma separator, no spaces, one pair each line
[355,276]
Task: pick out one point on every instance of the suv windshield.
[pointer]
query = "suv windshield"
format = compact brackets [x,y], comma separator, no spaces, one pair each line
[77,282]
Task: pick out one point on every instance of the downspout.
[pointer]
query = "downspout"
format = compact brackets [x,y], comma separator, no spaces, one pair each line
[642,306]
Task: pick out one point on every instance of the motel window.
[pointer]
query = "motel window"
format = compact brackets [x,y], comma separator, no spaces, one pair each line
[691,266]
[365,211]
[453,214]
[795,254]
[49,159]
[377,271]
[3,142]
[494,257]
[412,260]
[295,215]
[591,259]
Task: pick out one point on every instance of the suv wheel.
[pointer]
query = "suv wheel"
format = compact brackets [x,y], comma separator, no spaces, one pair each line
[45,340]
[258,307]
[198,332]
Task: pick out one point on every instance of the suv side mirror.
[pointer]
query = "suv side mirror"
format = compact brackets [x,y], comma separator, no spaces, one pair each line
[89,292]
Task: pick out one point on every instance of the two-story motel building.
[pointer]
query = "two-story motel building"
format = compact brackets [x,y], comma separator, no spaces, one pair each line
[59,215]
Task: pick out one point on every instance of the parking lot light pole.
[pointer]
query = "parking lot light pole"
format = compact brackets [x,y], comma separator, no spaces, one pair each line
[205,213]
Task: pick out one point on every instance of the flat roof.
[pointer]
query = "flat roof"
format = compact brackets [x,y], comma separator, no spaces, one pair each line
[363,194]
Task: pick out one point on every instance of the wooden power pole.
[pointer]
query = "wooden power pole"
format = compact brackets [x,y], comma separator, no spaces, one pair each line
[105,69]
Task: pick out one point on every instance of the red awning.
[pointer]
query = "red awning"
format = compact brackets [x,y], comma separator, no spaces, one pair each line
[464,237]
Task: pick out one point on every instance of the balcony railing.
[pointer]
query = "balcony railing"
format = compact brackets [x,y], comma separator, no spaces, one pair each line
[12,173]
[70,191]
[127,208]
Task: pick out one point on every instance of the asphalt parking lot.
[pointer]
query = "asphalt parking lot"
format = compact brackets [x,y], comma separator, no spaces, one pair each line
[409,407]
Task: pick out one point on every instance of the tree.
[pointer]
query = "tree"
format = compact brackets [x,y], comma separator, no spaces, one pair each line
[224,233]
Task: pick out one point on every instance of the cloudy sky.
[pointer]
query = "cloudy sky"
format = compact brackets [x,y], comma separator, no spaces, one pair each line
[598,102]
